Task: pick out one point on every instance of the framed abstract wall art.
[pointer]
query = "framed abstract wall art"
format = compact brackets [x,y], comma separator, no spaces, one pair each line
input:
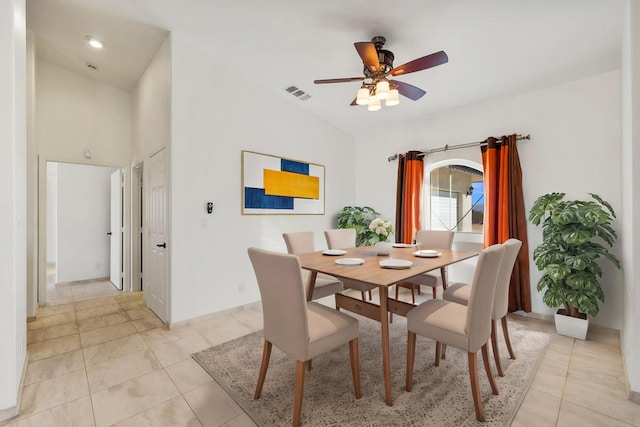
[273,185]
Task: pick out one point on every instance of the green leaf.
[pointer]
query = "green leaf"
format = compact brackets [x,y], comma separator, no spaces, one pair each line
[557,272]
[581,280]
[580,261]
[542,205]
[604,203]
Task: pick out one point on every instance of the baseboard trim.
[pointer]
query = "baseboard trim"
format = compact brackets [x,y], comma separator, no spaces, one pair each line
[634,396]
[13,411]
[202,318]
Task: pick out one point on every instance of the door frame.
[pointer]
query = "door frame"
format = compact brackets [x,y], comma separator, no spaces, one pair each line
[41,285]
[137,228]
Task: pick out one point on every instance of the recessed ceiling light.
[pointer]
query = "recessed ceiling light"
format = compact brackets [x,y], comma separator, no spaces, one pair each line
[94,42]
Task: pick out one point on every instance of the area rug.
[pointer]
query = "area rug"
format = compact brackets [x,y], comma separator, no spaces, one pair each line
[441,396]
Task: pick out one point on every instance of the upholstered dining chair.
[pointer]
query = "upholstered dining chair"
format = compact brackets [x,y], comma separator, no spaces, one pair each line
[460,293]
[465,327]
[301,329]
[430,239]
[300,243]
[344,238]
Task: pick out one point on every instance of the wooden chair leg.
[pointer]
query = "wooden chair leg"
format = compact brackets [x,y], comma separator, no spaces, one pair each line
[505,331]
[364,295]
[443,274]
[487,367]
[370,296]
[434,292]
[266,355]
[411,352]
[354,355]
[494,346]
[413,293]
[297,400]
[438,352]
[475,385]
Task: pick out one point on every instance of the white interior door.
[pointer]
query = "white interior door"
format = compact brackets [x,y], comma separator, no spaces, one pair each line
[116,231]
[156,268]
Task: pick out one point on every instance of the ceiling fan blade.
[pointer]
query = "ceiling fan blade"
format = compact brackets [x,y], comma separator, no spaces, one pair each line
[410,91]
[369,55]
[419,64]
[354,101]
[342,80]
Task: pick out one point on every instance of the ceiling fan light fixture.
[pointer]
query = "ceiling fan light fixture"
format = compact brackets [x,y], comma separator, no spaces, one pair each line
[382,89]
[374,103]
[363,96]
[94,42]
[393,98]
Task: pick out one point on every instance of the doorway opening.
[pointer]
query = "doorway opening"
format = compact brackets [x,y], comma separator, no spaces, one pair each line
[84,232]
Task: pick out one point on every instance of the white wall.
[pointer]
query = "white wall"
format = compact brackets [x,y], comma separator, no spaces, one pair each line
[77,113]
[575,148]
[151,106]
[13,249]
[83,222]
[215,115]
[631,192]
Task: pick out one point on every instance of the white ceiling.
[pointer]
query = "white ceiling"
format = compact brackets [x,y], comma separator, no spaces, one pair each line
[495,47]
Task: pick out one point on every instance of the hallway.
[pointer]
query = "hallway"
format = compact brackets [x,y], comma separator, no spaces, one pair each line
[101,357]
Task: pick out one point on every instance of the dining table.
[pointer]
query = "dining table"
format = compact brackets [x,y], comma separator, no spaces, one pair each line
[363,264]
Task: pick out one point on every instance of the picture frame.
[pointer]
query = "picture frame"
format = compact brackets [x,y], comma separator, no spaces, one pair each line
[275,185]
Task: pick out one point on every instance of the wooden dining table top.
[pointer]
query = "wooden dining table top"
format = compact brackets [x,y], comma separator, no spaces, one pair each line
[371,272]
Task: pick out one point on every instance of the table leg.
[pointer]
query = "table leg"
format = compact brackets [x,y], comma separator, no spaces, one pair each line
[311,282]
[384,323]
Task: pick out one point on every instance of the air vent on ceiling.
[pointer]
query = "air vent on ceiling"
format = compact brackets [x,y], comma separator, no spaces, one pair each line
[297,92]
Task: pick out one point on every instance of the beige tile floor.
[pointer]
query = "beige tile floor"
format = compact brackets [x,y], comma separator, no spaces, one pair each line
[107,360]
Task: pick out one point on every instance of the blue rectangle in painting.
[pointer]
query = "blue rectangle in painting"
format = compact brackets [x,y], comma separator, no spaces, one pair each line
[254,198]
[295,167]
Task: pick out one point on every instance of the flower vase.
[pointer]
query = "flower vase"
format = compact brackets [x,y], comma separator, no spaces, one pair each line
[382,248]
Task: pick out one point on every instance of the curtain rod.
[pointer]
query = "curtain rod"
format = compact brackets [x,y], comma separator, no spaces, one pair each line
[447,147]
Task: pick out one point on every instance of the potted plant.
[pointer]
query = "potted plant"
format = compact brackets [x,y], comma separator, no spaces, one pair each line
[370,228]
[573,233]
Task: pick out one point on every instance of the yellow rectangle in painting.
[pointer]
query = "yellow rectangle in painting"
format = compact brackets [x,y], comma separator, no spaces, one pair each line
[289,184]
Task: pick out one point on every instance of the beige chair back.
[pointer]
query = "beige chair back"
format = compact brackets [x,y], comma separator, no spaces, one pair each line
[342,238]
[501,301]
[435,239]
[483,288]
[300,242]
[284,305]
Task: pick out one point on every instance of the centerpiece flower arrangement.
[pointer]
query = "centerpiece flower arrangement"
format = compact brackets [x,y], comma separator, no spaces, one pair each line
[379,231]
[370,227]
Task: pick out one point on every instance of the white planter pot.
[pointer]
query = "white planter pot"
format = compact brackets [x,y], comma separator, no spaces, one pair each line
[571,326]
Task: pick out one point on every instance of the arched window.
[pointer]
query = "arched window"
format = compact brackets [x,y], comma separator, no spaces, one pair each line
[454,196]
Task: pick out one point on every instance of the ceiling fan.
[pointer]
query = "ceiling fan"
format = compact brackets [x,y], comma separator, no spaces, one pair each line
[378,65]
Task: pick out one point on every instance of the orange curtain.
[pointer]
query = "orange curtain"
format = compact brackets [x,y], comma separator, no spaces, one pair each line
[408,195]
[504,216]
